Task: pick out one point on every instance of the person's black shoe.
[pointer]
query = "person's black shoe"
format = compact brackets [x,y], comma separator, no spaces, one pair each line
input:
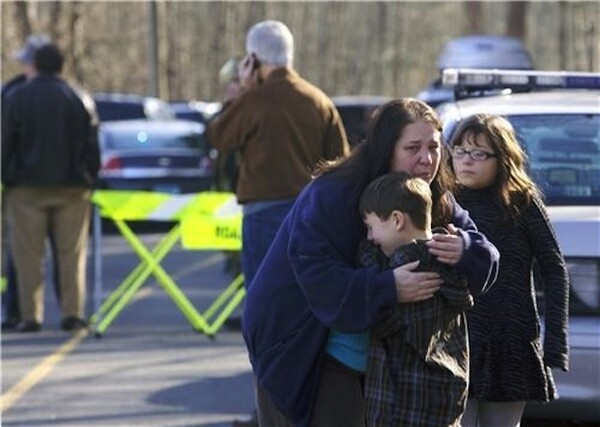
[234,323]
[10,324]
[28,326]
[73,323]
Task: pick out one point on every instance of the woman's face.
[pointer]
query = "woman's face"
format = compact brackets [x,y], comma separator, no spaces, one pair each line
[475,174]
[417,151]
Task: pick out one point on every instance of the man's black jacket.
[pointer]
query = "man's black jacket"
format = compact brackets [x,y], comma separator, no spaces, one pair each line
[49,135]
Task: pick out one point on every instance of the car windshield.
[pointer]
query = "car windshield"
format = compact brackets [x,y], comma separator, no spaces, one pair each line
[136,138]
[108,110]
[564,155]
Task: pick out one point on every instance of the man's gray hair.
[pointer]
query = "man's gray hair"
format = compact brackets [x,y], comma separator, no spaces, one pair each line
[272,43]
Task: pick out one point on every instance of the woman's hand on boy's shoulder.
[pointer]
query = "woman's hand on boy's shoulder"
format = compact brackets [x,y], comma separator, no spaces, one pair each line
[413,286]
[447,248]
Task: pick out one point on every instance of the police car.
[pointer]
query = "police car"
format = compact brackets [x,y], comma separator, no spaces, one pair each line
[556,116]
[475,51]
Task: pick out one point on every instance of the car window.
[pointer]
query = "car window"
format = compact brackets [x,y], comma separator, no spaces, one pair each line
[192,115]
[135,139]
[355,119]
[564,155]
[564,160]
[584,295]
[109,110]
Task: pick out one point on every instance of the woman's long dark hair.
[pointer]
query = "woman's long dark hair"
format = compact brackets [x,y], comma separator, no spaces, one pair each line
[372,158]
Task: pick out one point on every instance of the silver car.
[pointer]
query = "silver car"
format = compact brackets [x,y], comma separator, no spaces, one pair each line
[559,128]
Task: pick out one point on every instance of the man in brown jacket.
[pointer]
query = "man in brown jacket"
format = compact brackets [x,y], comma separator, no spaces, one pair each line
[282,126]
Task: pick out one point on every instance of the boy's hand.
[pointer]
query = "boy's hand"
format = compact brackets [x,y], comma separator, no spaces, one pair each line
[447,248]
[414,286]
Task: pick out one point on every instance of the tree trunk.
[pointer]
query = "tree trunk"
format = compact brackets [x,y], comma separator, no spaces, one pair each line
[54,30]
[562,34]
[153,50]
[163,50]
[474,14]
[72,51]
[516,22]
[22,20]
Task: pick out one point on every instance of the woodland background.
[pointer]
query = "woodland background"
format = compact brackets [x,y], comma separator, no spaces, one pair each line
[345,47]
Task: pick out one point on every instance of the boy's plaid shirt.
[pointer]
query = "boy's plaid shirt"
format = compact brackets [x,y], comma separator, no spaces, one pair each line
[417,371]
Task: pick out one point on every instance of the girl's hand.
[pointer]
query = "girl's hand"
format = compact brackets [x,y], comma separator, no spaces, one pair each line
[448,248]
[414,286]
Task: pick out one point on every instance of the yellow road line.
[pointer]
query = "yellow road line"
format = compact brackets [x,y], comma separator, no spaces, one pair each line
[39,372]
[42,369]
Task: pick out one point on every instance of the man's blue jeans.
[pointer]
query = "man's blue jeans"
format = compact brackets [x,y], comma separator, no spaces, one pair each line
[259,227]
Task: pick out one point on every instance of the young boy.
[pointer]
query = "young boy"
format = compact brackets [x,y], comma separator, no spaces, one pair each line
[417,370]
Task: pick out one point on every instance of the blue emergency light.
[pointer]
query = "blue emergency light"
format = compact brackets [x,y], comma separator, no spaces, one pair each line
[466,81]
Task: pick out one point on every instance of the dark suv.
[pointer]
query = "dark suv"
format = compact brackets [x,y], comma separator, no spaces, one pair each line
[197,111]
[126,106]
[355,111]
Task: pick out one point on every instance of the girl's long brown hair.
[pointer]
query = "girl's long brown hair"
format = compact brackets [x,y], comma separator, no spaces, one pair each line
[513,187]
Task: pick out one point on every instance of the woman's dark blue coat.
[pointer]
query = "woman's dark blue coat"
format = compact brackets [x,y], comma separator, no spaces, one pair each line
[309,283]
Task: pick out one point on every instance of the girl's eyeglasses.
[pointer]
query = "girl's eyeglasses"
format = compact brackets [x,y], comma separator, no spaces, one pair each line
[477,155]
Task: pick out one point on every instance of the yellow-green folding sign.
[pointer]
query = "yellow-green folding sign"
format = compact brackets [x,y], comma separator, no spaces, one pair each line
[212,221]
[209,220]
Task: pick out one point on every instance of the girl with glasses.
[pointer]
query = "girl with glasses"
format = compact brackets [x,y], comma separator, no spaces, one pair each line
[509,363]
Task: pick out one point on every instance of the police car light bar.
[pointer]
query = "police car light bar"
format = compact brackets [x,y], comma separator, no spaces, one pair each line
[466,79]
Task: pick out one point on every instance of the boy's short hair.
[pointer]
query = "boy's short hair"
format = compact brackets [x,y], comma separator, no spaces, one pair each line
[397,191]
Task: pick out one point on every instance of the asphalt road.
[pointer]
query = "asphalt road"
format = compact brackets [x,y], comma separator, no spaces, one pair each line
[149,368]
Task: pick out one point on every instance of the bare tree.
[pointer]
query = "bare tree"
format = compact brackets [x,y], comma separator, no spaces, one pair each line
[365,47]
[22,20]
[54,15]
[591,40]
[562,34]
[516,19]
[70,37]
[474,14]
[163,50]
